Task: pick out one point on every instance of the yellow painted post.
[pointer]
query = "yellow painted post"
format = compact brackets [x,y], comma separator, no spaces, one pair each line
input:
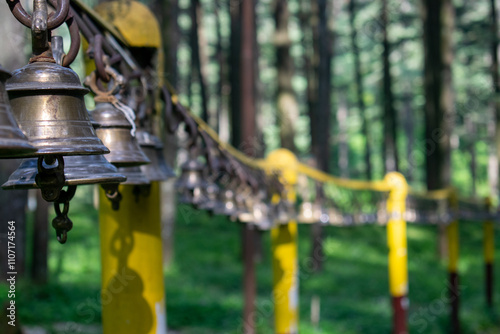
[453,249]
[489,254]
[133,292]
[284,252]
[397,244]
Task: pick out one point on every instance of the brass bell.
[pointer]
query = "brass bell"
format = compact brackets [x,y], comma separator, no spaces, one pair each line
[157,170]
[210,196]
[306,213]
[311,213]
[244,203]
[13,143]
[78,170]
[284,212]
[261,212]
[134,176]
[227,203]
[191,183]
[47,103]
[114,130]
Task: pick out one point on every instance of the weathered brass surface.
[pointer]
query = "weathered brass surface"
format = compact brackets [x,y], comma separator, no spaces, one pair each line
[114,130]
[78,170]
[47,103]
[134,176]
[158,169]
[13,143]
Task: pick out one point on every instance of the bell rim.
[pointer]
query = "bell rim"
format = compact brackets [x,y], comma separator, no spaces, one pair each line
[17,148]
[82,181]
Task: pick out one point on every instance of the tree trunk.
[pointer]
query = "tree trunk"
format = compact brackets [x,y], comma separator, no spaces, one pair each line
[409,127]
[287,104]
[359,89]
[390,119]
[247,109]
[494,158]
[219,55]
[196,56]
[438,26]
[343,145]
[168,12]
[234,72]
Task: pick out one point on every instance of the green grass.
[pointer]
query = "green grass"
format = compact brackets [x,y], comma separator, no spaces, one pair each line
[204,283]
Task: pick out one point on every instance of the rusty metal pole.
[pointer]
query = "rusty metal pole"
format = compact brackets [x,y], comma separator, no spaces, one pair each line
[453,249]
[489,254]
[247,84]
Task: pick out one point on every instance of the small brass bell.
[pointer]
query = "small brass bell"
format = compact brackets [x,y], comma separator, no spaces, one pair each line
[134,176]
[47,103]
[13,143]
[78,170]
[335,217]
[210,196]
[191,183]
[157,170]
[245,202]
[310,213]
[284,212]
[227,204]
[114,130]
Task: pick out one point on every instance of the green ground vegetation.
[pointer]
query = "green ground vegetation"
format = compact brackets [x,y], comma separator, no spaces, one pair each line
[204,282]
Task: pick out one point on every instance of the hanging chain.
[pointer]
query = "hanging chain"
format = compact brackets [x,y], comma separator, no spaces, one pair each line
[61,223]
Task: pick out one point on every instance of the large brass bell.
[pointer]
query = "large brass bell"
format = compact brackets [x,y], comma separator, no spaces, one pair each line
[13,143]
[114,129]
[47,102]
[157,170]
[78,170]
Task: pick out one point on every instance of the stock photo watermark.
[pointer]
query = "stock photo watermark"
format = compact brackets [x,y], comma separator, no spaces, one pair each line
[11,273]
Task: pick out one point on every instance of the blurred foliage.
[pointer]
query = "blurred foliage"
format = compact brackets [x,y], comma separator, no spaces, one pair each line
[471,80]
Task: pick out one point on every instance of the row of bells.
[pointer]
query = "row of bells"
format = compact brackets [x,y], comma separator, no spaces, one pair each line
[239,202]
[43,114]
[236,200]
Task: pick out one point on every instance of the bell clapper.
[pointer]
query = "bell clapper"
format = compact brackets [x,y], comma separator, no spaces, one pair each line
[113,194]
[50,178]
[61,223]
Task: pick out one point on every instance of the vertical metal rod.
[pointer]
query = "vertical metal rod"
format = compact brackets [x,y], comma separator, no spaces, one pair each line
[489,254]
[284,253]
[133,293]
[247,126]
[249,283]
[453,253]
[397,244]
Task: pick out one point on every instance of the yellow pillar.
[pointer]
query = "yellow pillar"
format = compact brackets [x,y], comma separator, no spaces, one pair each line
[397,244]
[489,254]
[284,252]
[133,293]
[452,232]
